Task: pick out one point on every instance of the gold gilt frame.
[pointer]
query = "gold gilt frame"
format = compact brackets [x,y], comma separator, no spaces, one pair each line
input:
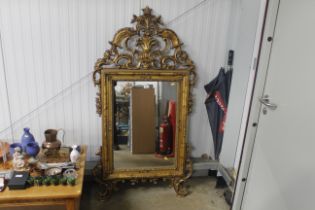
[146,52]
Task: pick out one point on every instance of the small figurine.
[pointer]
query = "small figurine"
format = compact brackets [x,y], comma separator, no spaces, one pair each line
[74,155]
[18,162]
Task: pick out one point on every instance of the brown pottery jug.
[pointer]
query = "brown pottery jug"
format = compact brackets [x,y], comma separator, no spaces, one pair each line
[52,143]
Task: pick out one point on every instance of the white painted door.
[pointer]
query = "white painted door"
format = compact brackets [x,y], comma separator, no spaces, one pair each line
[282,169]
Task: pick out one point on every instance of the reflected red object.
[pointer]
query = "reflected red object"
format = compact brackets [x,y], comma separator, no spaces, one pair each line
[172,119]
[165,136]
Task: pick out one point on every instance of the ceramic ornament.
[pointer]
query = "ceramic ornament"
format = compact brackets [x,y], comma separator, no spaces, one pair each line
[74,155]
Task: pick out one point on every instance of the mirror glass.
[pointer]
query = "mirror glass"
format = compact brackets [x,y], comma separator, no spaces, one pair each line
[144,133]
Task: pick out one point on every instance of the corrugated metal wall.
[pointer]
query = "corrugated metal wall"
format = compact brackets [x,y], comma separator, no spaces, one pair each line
[48,50]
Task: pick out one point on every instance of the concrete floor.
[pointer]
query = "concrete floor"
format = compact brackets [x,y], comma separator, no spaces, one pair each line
[203,196]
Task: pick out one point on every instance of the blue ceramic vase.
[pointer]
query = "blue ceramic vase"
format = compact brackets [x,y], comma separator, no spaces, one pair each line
[32,149]
[26,138]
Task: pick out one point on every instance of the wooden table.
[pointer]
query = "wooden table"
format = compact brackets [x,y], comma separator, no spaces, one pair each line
[46,197]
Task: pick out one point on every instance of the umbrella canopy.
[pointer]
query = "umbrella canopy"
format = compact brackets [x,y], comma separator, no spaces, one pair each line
[216,104]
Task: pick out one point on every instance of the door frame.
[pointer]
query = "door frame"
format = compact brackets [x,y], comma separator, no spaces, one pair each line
[255,106]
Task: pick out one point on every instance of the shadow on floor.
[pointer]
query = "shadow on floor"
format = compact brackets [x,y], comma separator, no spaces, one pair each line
[146,196]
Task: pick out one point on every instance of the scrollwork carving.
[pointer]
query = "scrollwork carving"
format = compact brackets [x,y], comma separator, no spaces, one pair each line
[148,45]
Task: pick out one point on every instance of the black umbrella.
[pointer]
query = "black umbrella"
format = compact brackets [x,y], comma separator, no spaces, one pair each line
[216,104]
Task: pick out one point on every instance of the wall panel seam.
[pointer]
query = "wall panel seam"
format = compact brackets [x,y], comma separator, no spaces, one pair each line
[6,83]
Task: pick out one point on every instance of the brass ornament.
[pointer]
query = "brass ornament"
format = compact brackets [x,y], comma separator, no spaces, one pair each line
[146,46]
[178,182]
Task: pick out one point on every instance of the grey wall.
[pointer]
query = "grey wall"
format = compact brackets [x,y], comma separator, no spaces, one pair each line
[168,92]
[49,48]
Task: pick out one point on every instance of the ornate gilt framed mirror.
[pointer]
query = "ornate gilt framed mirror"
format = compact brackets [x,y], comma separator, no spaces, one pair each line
[144,98]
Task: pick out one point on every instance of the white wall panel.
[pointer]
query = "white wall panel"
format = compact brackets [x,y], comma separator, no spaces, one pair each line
[50,47]
[172,10]
[4,104]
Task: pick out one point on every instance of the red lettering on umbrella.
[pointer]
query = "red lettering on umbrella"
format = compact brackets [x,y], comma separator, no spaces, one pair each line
[218,98]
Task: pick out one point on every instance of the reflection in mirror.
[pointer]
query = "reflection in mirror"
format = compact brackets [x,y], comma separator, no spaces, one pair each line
[145,124]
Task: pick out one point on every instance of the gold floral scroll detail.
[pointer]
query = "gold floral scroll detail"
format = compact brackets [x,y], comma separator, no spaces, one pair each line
[148,45]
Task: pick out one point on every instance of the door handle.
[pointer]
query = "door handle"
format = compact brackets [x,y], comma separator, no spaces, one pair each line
[266,101]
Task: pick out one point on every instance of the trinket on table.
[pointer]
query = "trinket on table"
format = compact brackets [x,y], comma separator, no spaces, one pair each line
[75,154]
[52,145]
[18,162]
